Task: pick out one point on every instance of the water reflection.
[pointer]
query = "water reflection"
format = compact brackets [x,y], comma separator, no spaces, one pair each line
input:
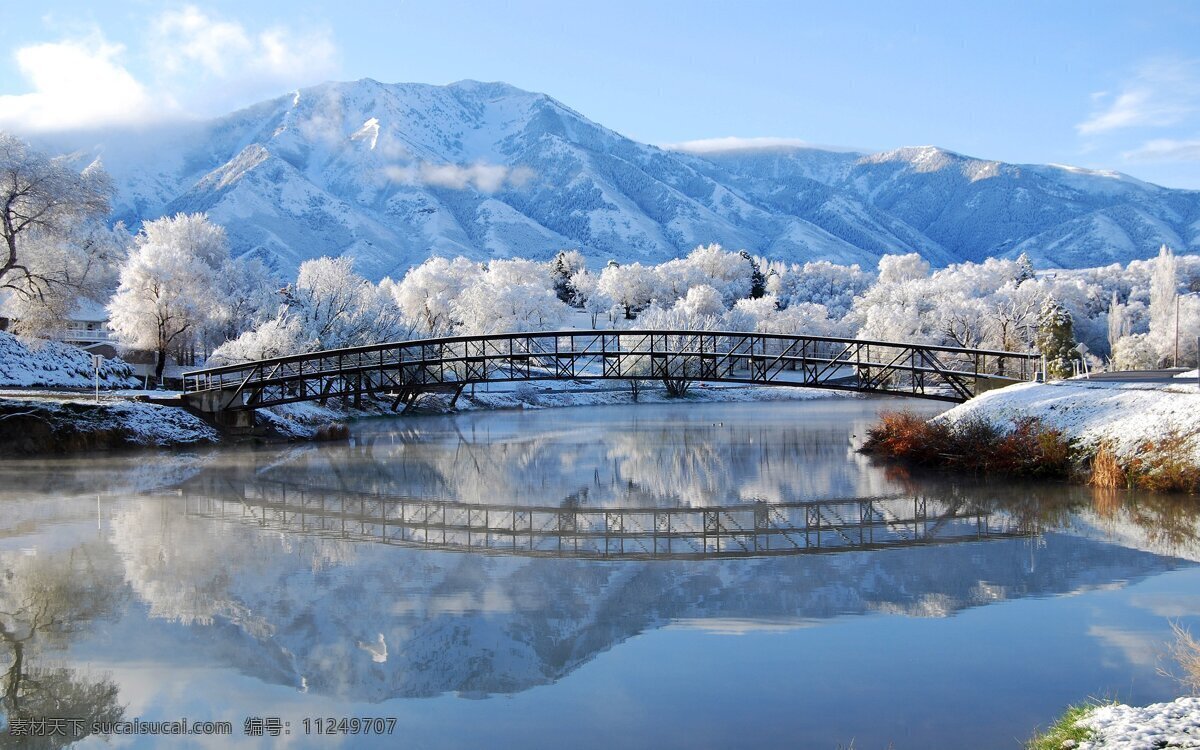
[754,529]
[46,600]
[491,554]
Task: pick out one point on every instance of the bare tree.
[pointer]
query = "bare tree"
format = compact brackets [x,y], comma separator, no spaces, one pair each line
[43,202]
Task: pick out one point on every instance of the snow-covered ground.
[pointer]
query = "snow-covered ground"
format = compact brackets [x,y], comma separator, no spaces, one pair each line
[1174,724]
[1126,415]
[53,364]
[62,423]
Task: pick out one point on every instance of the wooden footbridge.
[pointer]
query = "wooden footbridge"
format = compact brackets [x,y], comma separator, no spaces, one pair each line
[402,371]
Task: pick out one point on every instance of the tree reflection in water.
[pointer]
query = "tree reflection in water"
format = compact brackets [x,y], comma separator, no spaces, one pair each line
[45,599]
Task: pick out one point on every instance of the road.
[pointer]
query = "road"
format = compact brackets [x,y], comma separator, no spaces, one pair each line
[1143,376]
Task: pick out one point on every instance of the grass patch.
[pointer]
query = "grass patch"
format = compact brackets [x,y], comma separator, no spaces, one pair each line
[1063,733]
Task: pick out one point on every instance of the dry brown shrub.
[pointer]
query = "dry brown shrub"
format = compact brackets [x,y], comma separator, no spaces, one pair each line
[1166,465]
[1029,450]
[1186,653]
[906,436]
[1107,470]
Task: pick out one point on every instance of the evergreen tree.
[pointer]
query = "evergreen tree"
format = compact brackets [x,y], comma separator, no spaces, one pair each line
[758,281]
[565,265]
[1056,339]
[1024,269]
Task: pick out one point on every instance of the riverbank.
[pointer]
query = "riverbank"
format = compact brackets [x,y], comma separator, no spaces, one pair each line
[1105,433]
[39,425]
[1172,724]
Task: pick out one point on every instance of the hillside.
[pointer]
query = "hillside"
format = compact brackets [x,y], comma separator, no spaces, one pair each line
[391,173]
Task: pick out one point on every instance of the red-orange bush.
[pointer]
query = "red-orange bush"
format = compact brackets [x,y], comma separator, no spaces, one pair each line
[1030,449]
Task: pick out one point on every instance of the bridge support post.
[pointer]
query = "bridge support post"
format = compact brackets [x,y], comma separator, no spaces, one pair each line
[215,406]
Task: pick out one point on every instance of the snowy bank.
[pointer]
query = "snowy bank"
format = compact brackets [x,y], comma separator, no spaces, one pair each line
[53,364]
[1123,415]
[31,426]
[1174,724]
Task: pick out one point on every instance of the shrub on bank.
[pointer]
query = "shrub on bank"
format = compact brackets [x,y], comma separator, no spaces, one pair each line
[1031,449]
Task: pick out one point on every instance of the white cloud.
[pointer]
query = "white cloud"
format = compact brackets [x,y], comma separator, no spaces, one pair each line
[1161,93]
[486,178]
[77,83]
[734,143]
[1165,149]
[193,42]
[197,65]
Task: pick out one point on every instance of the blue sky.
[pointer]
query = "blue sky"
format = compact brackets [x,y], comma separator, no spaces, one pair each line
[1110,85]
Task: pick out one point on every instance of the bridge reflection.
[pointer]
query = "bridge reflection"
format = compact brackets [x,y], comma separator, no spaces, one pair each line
[753,529]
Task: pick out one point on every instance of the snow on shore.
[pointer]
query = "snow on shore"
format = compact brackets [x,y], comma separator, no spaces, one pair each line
[1124,414]
[53,364]
[1174,724]
[53,425]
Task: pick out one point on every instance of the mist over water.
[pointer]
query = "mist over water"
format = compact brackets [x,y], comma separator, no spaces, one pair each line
[673,575]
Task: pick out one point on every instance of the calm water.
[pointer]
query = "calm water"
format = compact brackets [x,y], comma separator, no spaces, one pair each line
[659,576]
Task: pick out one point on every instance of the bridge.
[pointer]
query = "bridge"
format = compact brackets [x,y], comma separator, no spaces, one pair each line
[750,529]
[402,371]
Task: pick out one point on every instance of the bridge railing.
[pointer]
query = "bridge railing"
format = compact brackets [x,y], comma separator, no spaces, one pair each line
[628,354]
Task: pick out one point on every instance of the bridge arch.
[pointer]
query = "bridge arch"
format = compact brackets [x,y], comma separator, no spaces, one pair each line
[404,370]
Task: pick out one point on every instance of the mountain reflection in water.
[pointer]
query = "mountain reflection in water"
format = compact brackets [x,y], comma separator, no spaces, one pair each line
[489,554]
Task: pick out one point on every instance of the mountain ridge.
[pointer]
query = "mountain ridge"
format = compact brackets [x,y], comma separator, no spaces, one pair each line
[394,173]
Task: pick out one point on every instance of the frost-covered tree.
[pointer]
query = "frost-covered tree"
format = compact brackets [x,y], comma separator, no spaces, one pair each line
[631,287]
[701,302]
[729,273]
[328,307]
[1119,323]
[1134,352]
[821,282]
[895,269]
[1012,317]
[588,296]
[50,216]
[1164,291]
[166,293]
[338,308]
[247,295]
[87,262]
[1056,339]
[678,373]
[512,295]
[427,293]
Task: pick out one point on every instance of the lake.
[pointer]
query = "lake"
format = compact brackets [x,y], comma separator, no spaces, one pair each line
[698,575]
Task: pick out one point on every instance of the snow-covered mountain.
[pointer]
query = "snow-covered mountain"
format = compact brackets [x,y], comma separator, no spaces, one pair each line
[392,173]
